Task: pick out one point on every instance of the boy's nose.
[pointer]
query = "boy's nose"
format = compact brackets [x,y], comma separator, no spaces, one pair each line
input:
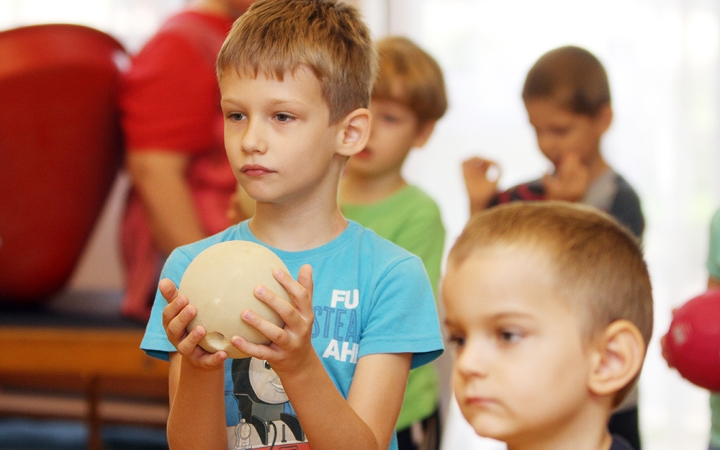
[252,140]
[472,361]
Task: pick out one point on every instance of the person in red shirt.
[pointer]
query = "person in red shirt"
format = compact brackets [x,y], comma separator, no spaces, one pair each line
[173,128]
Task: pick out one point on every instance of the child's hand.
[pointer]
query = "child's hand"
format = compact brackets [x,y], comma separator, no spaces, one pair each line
[569,182]
[176,317]
[481,179]
[290,345]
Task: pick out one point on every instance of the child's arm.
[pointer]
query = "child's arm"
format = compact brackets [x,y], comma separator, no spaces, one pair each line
[366,420]
[197,404]
[480,188]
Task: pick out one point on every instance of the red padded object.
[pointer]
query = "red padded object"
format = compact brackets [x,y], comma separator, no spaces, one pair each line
[60,151]
[693,341]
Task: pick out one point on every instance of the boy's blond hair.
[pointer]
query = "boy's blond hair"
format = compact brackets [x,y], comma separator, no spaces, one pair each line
[276,37]
[597,263]
[409,75]
[572,76]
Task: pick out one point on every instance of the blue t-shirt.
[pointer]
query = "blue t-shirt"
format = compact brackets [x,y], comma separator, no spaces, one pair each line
[370,296]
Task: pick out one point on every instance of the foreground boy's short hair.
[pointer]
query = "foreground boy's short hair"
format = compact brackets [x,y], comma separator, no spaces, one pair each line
[572,76]
[275,37]
[409,75]
[598,264]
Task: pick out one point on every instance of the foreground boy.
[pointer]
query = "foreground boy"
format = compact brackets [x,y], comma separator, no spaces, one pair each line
[567,98]
[408,98]
[295,78]
[549,305]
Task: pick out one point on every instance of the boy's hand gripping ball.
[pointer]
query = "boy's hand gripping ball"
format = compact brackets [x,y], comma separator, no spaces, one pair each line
[220,283]
[693,341]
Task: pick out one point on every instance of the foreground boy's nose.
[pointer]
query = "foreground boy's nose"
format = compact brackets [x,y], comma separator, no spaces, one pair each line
[471,361]
[252,140]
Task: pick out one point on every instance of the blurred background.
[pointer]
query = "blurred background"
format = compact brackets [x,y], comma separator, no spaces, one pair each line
[663,62]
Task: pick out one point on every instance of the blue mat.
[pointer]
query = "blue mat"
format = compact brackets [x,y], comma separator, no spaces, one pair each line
[29,434]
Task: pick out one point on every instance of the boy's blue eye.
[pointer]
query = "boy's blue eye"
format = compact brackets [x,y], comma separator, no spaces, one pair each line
[282,117]
[235,116]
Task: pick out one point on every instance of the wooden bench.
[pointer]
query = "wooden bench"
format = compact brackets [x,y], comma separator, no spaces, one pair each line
[94,373]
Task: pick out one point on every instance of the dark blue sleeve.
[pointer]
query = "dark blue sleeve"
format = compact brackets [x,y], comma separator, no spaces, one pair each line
[626,208]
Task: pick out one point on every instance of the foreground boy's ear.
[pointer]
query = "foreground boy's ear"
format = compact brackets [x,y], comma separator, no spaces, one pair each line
[355,129]
[423,133]
[619,354]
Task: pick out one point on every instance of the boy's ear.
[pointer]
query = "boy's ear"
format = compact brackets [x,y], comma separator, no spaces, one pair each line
[355,132]
[423,133]
[603,118]
[618,357]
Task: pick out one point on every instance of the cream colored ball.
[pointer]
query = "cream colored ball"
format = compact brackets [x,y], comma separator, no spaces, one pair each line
[220,283]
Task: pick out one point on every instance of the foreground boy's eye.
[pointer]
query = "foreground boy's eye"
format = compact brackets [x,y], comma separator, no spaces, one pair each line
[236,116]
[456,341]
[283,117]
[509,336]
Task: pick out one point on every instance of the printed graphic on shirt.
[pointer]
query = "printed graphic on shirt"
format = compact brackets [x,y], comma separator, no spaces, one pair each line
[339,323]
[267,419]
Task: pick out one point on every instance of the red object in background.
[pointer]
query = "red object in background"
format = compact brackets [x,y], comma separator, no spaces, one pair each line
[693,341]
[60,151]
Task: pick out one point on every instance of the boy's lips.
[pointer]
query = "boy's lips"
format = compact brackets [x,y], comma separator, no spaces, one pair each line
[478,401]
[255,170]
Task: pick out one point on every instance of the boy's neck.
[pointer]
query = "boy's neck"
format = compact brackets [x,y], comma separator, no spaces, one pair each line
[297,228]
[360,190]
[586,430]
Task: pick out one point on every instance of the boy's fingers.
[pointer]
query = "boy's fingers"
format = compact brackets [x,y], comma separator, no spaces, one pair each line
[193,338]
[268,329]
[300,291]
[168,289]
[176,317]
[255,350]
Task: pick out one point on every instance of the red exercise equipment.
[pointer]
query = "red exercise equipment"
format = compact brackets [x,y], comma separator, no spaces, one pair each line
[60,151]
[693,341]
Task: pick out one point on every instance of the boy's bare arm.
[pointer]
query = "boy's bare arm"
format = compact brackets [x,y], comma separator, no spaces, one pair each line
[160,179]
[369,414]
[196,381]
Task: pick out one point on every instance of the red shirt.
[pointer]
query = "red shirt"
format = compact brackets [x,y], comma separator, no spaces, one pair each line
[170,101]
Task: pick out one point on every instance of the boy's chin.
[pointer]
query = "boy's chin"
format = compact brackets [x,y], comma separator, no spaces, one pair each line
[488,427]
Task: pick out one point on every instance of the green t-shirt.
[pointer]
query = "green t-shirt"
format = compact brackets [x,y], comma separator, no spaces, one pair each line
[715,419]
[411,219]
